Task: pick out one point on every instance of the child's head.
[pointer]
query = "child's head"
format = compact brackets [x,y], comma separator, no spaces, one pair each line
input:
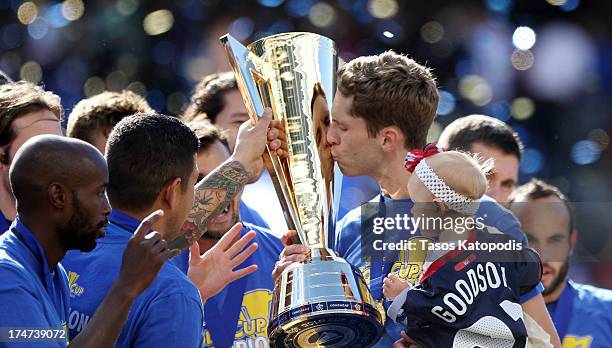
[453,181]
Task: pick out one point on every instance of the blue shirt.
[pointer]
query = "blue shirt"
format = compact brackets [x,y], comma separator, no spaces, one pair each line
[31,294]
[588,320]
[409,265]
[251,216]
[239,314]
[167,314]
[4,223]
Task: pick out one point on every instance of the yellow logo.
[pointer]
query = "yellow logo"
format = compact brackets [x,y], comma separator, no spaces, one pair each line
[576,342]
[75,289]
[252,328]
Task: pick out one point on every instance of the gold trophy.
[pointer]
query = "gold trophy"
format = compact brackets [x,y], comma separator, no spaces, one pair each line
[322,301]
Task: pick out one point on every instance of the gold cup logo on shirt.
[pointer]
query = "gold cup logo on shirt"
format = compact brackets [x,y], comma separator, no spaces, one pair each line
[323,301]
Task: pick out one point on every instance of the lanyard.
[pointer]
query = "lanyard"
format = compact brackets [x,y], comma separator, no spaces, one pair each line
[563,311]
[222,316]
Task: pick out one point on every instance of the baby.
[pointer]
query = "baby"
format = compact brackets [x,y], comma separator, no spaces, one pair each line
[467,295]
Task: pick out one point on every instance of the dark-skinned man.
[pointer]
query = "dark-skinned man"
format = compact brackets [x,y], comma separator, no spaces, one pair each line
[63,207]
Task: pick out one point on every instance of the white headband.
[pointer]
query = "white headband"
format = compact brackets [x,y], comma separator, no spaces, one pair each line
[442,191]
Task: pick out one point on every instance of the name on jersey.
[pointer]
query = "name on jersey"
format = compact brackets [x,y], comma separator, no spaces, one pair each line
[483,278]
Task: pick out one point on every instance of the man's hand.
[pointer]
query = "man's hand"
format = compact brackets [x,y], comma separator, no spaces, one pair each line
[214,270]
[291,254]
[393,285]
[144,256]
[251,143]
[277,139]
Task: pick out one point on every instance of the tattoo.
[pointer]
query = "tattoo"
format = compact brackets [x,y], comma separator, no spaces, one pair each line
[213,194]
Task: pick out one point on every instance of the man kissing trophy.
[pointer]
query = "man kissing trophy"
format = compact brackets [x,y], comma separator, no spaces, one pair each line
[322,301]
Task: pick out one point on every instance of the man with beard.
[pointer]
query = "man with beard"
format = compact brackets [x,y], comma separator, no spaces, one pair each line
[238,315]
[582,314]
[26,110]
[152,165]
[64,207]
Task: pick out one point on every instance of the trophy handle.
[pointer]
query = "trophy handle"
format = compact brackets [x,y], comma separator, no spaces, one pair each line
[255,91]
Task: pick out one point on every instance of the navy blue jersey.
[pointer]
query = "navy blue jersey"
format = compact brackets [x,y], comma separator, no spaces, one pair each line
[470,297]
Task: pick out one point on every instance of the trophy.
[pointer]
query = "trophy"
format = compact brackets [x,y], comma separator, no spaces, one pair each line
[322,301]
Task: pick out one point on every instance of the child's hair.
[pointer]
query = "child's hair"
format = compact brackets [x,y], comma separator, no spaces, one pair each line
[464,173]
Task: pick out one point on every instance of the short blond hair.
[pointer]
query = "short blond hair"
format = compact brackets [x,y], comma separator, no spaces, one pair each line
[103,110]
[391,89]
[464,173]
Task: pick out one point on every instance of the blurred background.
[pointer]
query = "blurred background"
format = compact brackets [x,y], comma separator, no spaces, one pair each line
[544,67]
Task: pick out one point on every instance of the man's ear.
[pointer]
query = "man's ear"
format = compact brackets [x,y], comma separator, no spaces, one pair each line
[58,195]
[391,137]
[171,191]
[573,240]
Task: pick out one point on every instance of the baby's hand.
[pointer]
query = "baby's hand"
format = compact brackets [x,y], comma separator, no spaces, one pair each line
[393,285]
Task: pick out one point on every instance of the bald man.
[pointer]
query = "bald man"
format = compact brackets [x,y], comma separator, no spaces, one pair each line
[60,188]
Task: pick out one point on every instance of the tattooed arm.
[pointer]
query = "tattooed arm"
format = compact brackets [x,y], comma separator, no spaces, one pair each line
[213,194]
[217,189]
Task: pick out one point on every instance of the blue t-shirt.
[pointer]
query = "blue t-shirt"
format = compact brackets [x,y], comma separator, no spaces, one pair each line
[31,294]
[409,264]
[167,314]
[238,315]
[587,321]
[4,223]
[251,216]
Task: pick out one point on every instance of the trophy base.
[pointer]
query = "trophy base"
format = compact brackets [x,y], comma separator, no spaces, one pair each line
[324,302]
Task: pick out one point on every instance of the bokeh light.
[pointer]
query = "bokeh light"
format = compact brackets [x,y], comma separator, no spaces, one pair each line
[270,3]
[434,132]
[532,161]
[570,5]
[522,60]
[585,152]
[446,103]
[126,7]
[522,108]
[241,28]
[158,22]
[432,32]
[523,38]
[383,8]
[138,88]
[175,102]
[501,6]
[475,89]
[38,29]
[556,2]
[94,85]
[299,8]
[116,81]
[31,71]
[600,137]
[27,12]
[322,15]
[73,9]
[499,110]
